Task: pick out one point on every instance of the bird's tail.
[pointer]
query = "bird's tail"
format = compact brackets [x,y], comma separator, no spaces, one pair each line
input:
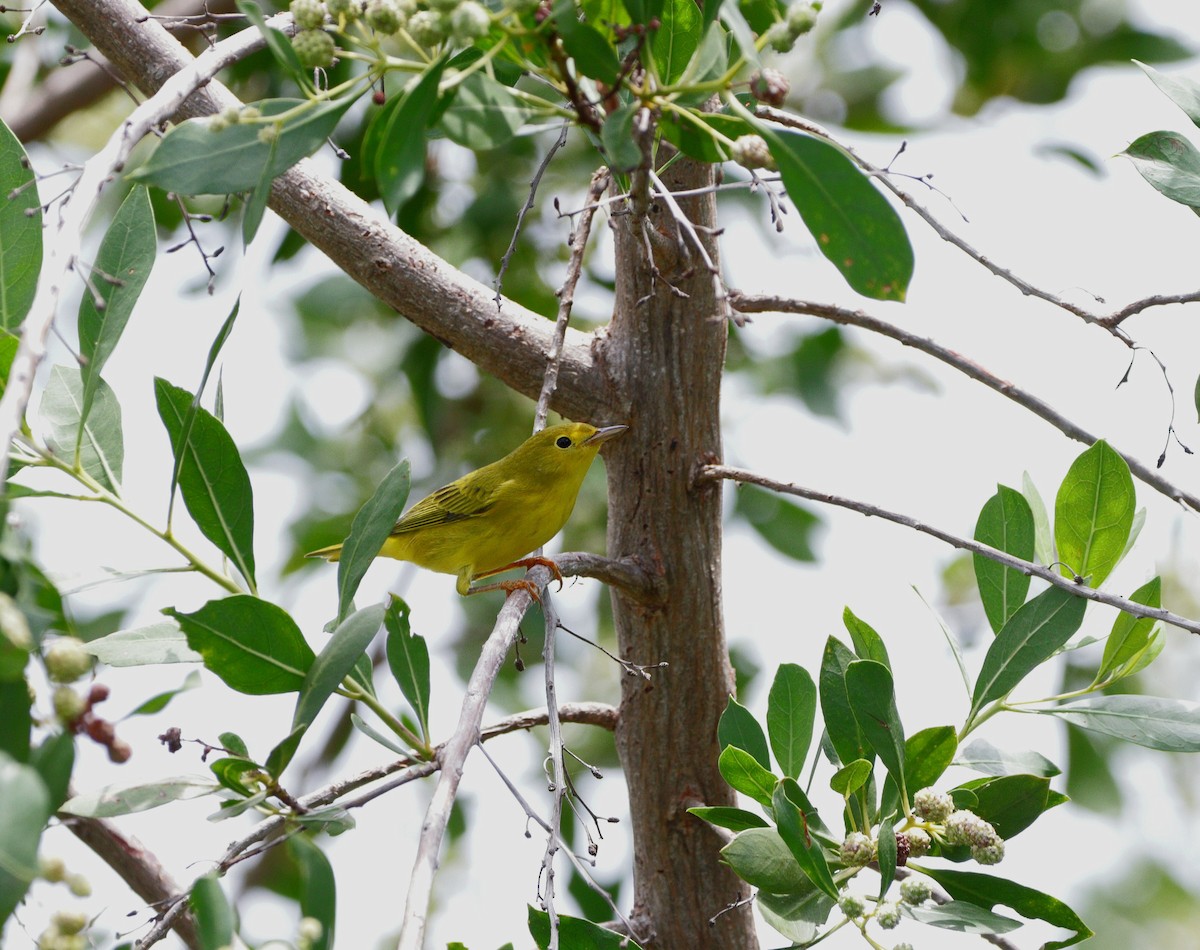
[331,553]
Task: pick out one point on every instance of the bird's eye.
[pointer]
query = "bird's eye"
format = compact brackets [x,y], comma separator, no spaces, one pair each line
[563,442]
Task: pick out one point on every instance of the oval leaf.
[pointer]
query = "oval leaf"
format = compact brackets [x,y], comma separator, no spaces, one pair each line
[214,916]
[408,658]
[399,162]
[26,811]
[20,233]
[161,642]
[737,727]
[726,816]
[97,443]
[113,800]
[797,822]
[483,114]
[760,857]
[1093,513]
[1130,634]
[1005,523]
[254,646]
[854,225]
[873,701]
[1170,725]
[743,773]
[213,480]
[791,711]
[368,531]
[1169,163]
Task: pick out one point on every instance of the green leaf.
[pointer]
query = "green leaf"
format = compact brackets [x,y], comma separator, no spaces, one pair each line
[101,445]
[593,54]
[20,234]
[1093,513]
[711,61]
[791,711]
[796,915]
[1181,90]
[693,139]
[873,701]
[963,917]
[855,227]
[371,733]
[318,888]
[760,857]
[786,526]
[1043,543]
[1169,163]
[160,701]
[1169,725]
[161,642]
[675,42]
[113,800]
[886,855]
[621,149]
[1130,634]
[347,643]
[742,771]
[194,158]
[254,646]
[737,727]
[1011,803]
[987,891]
[399,161]
[408,659]
[982,756]
[256,202]
[483,113]
[743,35]
[368,531]
[122,266]
[726,816]
[844,733]
[26,811]
[576,933]
[796,820]
[712,9]
[867,643]
[214,916]
[54,760]
[850,778]
[1032,635]
[1005,523]
[214,482]
[927,754]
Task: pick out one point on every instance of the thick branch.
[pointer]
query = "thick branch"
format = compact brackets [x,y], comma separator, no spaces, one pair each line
[511,344]
[748,303]
[710,472]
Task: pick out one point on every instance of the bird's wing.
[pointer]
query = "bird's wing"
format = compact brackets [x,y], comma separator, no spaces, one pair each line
[454,502]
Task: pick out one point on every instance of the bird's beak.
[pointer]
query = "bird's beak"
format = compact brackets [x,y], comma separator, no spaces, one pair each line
[604,434]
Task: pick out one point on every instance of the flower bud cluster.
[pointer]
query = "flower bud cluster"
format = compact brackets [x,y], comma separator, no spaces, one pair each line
[801,18]
[958,827]
[76,713]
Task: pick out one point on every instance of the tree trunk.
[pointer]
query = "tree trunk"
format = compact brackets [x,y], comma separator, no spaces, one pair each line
[665,354]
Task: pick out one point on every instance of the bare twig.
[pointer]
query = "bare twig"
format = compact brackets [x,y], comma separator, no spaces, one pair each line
[688,230]
[589,714]
[558,770]
[526,208]
[1077,587]
[766,304]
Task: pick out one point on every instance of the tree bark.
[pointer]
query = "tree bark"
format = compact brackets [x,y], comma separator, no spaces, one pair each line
[665,354]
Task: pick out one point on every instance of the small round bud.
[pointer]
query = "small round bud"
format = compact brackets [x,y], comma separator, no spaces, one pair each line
[901,850]
[427,28]
[249,114]
[769,86]
[70,921]
[13,625]
[314,48]
[780,38]
[97,694]
[468,22]
[308,14]
[958,827]
[384,16]
[310,930]
[120,751]
[919,842]
[347,8]
[53,870]
[887,915]
[216,123]
[67,659]
[851,905]
[989,853]
[905,945]
[68,705]
[80,886]
[915,890]
[932,805]
[751,151]
[268,134]
[101,730]
[857,850]
[801,17]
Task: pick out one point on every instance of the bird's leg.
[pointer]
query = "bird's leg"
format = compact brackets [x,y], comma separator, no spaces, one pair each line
[525,562]
[508,587]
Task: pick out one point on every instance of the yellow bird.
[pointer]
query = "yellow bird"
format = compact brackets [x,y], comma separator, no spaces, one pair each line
[483,523]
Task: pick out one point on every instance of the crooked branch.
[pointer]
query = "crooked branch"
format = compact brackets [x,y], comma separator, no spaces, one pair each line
[749,303]
[1079,589]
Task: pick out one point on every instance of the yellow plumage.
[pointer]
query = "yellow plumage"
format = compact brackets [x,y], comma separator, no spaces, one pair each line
[484,522]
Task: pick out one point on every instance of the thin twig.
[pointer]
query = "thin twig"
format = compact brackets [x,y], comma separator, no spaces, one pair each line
[1077,587]
[526,208]
[558,769]
[748,303]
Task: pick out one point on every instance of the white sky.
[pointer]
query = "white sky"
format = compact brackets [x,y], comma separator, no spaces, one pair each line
[936,456]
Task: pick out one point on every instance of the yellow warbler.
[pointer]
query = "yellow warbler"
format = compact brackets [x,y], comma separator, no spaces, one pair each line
[485,521]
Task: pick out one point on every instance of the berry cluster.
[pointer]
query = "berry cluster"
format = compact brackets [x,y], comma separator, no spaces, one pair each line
[68,660]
